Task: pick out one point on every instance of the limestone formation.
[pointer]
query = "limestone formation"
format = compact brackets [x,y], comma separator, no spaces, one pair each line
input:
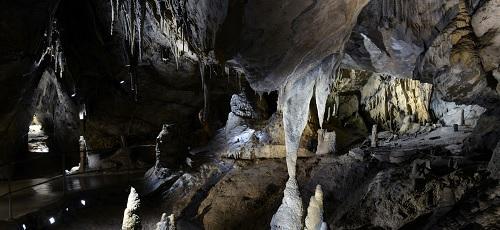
[388,100]
[450,113]
[83,154]
[166,222]
[289,214]
[326,142]
[289,79]
[131,219]
[374,139]
[243,107]
[314,218]
[162,145]
[485,23]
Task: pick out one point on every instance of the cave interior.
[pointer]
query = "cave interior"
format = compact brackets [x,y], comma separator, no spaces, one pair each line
[250,114]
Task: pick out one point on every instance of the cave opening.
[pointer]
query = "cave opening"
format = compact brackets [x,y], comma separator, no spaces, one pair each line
[37,137]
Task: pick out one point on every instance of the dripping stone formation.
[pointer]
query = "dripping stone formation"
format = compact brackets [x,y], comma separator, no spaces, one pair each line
[233,114]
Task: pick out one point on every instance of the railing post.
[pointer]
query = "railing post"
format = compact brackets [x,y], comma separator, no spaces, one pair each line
[10,199]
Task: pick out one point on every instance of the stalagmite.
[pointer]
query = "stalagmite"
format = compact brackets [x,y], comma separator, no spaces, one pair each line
[374,136]
[131,219]
[289,214]
[337,104]
[314,218]
[166,222]
[83,112]
[83,154]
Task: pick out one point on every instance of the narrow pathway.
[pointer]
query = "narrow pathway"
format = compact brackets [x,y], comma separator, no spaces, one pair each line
[34,198]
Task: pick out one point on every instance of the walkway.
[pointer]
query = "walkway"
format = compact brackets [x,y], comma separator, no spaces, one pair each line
[35,197]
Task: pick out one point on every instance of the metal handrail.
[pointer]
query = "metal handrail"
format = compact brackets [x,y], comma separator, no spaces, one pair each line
[61,175]
[54,155]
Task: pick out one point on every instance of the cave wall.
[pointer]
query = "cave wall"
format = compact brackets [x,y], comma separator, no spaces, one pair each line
[21,45]
[58,114]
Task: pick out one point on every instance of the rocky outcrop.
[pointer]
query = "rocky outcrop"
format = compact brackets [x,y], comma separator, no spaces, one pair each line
[438,194]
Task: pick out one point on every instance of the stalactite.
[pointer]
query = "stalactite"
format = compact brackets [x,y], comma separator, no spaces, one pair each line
[112,16]
[138,27]
[323,85]
[132,26]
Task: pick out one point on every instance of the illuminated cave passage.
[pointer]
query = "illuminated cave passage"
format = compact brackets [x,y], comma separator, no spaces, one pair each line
[37,139]
[247,114]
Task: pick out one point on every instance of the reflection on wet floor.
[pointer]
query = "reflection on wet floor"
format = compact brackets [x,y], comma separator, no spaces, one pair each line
[34,198]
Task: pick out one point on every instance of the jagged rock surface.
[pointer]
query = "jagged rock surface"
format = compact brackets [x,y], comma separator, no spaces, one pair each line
[389,101]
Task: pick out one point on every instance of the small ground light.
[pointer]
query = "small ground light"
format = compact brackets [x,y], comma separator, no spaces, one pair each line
[83,202]
[121,82]
[67,209]
[24,226]
[73,95]
[52,220]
